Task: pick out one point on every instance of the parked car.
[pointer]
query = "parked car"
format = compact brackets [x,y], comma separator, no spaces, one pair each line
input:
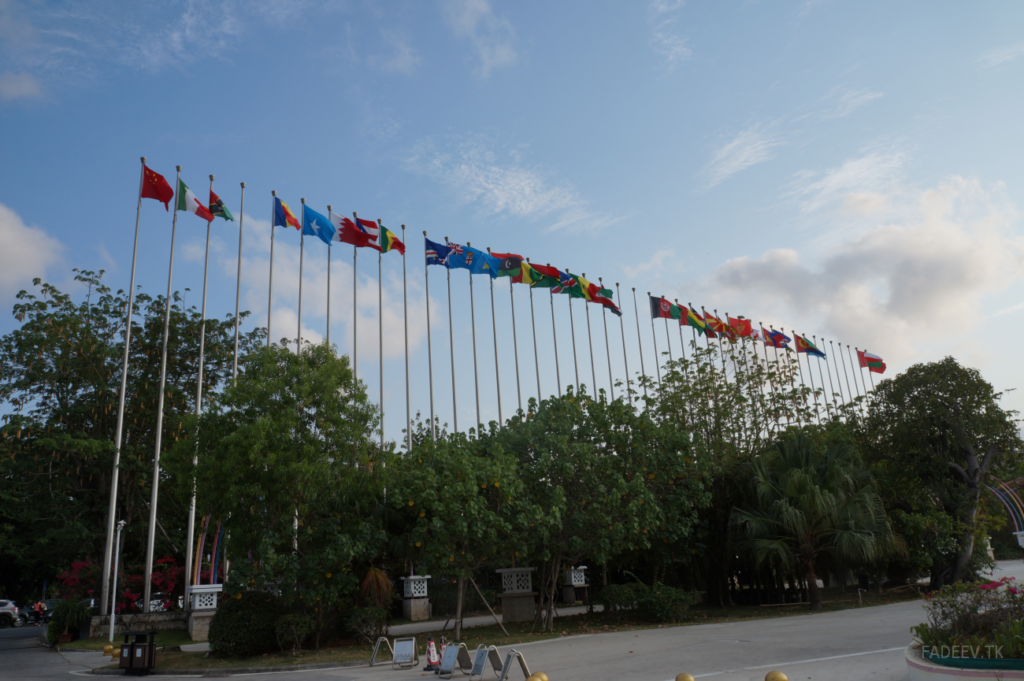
[9,614]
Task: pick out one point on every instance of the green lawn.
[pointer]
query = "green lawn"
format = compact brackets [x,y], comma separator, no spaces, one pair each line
[168,637]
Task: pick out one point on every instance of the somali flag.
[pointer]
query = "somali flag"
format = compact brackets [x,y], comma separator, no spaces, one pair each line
[472,259]
[315,224]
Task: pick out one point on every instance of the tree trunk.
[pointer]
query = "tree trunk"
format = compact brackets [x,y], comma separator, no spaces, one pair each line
[554,584]
[813,593]
[458,608]
[967,540]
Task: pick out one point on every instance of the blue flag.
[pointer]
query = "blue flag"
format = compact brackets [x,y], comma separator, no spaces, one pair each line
[437,254]
[315,224]
[476,261]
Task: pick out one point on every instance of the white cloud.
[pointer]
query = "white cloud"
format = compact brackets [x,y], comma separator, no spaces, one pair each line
[860,184]
[655,263]
[1001,55]
[404,58]
[842,102]
[491,36]
[19,86]
[893,286]
[666,41]
[750,147]
[476,174]
[27,253]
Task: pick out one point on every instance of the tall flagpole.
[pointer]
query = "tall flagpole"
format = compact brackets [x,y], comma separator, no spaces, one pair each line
[380,329]
[832,347]
[854,373]
[190,529]
[494,328]
[828,411]
[640,342]
[302,251]
[814,389]
[607,346]
[654,337]
[405,313]
[622,329]
[682,343]
[803,385]
[572,327]
[554,332]
[472,320]
[829,371]
[330,214]
[355,307]
[451,345]
[862,382]
[590,342]
[430,349]
[151,536]
[270,278]
[515,342]
[115,473]
[238,282]
[862,406]
[536,356]
[721,348]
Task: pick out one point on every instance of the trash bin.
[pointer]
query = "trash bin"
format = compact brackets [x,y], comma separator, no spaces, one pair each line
[138,653]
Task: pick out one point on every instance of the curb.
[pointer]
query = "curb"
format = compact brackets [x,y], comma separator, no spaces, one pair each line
[231,671]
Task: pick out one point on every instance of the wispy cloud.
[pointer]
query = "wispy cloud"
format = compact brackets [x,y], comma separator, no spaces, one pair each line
[19,86]
[858,185]
[663,16]
[1001,55]
[492,36]
[28,252]
[750,147]
[842,101]
[655,263]
[404,58]
[502,183]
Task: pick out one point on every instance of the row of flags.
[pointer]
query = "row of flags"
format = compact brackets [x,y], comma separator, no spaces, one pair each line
[732,328]
[369,234]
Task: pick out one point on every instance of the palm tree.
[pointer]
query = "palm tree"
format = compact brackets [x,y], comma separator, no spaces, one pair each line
[811,499]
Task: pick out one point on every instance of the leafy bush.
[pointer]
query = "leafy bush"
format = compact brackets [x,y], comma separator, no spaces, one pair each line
[618,597]
[244,625]
[293,629]
[663,603]
[974,620]
[370,623]
[69,616]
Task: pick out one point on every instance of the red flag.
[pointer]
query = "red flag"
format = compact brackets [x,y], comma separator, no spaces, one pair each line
[346,232]
[154,186]
[741,326]
[718,326]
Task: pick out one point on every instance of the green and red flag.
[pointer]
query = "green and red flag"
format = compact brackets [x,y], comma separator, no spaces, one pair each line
[871,362]
[545,276]
[694,319]
[569,283]
[717,325]
[606,297]
[387,241]
[218,208]
[188,201]
[515,266]
[663,309]
[804,345]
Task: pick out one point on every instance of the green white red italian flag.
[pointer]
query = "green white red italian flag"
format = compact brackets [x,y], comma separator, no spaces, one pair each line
[871,362]
[188,201]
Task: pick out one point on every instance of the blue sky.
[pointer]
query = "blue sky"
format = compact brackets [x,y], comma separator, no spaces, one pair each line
[848,169]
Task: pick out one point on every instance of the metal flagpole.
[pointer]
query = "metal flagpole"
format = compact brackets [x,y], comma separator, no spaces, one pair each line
[862,407]
[814,390]
[115,473]
[862,373]
[654,337]
[721,348]
[494,329]
[829,371]
[302,250]
[151,536]
[607,345]
[451,344]
[622,329]
[536,356]
[827,410]
[572,327]
[845,375]
[380,329]
[270,295]
[472,318]
[430,350]
[771,382]
[355,307]
[405,313]
[839,382]
[330,214]
[799,368]
[590,342]
[854,372]
[668,341]
[190,531]
[238,282]
[515,342]
[682,343]
[640,342]
[554,332]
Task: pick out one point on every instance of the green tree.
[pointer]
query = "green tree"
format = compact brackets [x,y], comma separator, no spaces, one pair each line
[287,457]
[811,499]
[933,434]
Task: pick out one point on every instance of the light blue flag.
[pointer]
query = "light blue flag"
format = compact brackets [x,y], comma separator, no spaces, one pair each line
[476,261]
[315,224]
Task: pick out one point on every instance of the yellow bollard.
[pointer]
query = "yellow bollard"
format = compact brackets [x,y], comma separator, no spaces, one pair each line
[116,655]
[108,650]
[684,677]
[541,675]
[775,676]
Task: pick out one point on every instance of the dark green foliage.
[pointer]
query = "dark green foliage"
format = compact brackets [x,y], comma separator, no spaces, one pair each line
[370,623]
[244,625]
[292,630]
[976,617]
[660,603]
[617,598]
[68,617]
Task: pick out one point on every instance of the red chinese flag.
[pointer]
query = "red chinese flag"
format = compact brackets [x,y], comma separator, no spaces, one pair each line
[154,186]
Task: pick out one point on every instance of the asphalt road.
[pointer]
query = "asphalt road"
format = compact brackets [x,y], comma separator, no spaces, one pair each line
[863,643]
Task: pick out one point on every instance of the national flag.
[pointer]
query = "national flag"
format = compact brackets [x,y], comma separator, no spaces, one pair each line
[317,225]
[512,265]
[694,319]
[804,345]
[718,326]
[606,297]
[549,277]
[346,232]
[662,309]
[283,215]
[741,327]
[872,363]
[154,186]
[218,208]
[389,242]
[755,334]
[188,201]
[585,288]
[472,259]
[436,254]
[370,228]
[568,284]
[777,339]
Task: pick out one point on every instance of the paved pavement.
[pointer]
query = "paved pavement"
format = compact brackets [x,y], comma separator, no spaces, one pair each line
[863,643]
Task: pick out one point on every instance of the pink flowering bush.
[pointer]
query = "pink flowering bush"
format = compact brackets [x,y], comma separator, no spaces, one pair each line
[981,619]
